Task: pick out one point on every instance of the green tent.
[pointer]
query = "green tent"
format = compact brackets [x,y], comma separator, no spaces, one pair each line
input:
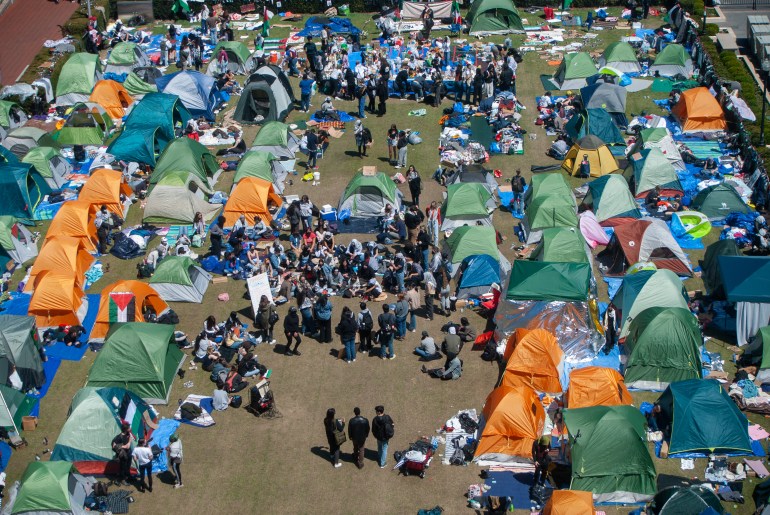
[176,198]
[86,124]
[648,289]
[686,500]
[573,71]
[746,278]
[50,487]
[184,154]
[712,277]
[561,245]
[718,201]
[272,134]
[77,78]
[610,199]
[758,354]
[18,347]
[11,115]
[180,279]
[540,280]
[493,17]
[546,211]
[19,406]
[672,61]
[139,357]
[663,346]
[599,436]
[660,138]
[621,56]
[50,163]
[16,243]
[465,204]
[22,188]
[237,55]
[255,164]
[703,419]
[594,122]
[367,195]
[20,141]
[139,145]
[93,420]
[471,240]
[545,184]
[136,87]
[126,55]
[649,168]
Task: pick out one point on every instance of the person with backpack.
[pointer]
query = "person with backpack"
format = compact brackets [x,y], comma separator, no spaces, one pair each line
[347,329]
[383,430]
[401,312]
[365,326]
[518,184]
[323,314]
[121,446]
[387,323]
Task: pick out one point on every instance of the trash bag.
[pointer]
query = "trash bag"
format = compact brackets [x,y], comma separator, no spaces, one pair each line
[126,248]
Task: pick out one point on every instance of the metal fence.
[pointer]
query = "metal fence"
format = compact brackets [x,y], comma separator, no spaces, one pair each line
[754,4]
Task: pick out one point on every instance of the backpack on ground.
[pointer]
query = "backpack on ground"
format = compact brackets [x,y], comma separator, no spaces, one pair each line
[236,401]
[190,411]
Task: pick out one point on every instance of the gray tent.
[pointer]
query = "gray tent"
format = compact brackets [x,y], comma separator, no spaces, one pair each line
[180,279]
[19,349]
[21,140]
[602,95]
[264,99]
[125,57]
[475,174]
[176,199]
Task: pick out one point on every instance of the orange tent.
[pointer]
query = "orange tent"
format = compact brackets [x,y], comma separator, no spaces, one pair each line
[250,197]
[64,255]
[76,218]
[536,361]
[112,96]
[125,301]
[698,110]
[570,502]
[596,386]
[104,187]
[57,300]
[513,420]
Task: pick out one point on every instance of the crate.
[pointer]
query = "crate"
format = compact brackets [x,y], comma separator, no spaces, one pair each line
[29,423]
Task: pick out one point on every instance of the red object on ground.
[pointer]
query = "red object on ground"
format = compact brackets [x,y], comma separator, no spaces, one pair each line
[25,26]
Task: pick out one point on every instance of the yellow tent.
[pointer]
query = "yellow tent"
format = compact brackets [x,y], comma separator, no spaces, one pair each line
[599,157]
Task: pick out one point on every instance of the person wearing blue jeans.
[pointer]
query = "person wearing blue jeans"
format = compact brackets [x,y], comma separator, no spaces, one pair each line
[427,348]
[413,299]
[401,312]
[306,91]
[347,329]
[383,430]
[387,323]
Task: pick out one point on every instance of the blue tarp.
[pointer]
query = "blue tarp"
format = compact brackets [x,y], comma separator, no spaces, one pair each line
[315,24]
[160,437]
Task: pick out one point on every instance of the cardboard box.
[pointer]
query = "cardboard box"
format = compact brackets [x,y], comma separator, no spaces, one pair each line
[219,280]
[29,423]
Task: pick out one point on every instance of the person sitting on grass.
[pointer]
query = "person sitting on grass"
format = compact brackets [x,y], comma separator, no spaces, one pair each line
[205,351]
[427,349]
[233,266]
[453,370]
[221,400]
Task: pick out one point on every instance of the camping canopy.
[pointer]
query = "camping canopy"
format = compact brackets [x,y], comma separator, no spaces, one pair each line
[573,71]
[595,122]
[718,201]
[686,500]
[467,241]
[112,96]
[711,275]
[180,279]
[513,421]
[465,204]
[611,200]
[11,115]
[261,164]
[746,282]
[22,188]
[478,274]
[94,418]
[663,345]
[647,289]
[673,60]
[18,348]
[536,361]
[140,145]
[49,487]
[16,243]
[561,245]
[660,138]
[598,436]
[158,111]
[367,195]
[599,157]
[237,55]
[621,56]
[76,218]
[125,56]
[197,91]
[698,111]
[252,197]
[547,184]
[86,124]
[77,78]
[51,165]
[493,17]
[549,210]
[645,240]
[649,168]
[538,280]
[125,301]
[596,386]
[138,356]
[704,419]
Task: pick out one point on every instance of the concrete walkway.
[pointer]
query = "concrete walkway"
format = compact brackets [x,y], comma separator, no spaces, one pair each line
[25,25]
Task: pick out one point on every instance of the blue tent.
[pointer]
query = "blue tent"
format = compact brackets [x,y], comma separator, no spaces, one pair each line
[478,273]
[140,145]
[197,91]
[6,156]
[315,24]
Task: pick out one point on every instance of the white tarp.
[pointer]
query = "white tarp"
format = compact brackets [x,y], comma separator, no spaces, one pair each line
[413,10]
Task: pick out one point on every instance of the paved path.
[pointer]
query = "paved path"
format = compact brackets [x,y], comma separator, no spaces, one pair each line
[24,27]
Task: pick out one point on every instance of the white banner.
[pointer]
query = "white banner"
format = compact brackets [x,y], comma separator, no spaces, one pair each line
[258,285]
[413,10]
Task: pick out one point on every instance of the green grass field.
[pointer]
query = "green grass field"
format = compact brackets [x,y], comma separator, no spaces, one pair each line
[244,464]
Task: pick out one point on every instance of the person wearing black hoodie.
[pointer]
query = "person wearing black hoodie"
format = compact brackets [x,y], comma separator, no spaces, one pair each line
[291,330]
[347,329]
[358,432]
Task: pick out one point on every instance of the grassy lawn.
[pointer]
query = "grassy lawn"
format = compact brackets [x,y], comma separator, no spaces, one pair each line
[244,464]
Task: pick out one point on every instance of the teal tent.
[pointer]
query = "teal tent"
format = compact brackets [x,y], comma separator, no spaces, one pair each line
[594,122]
[22,188]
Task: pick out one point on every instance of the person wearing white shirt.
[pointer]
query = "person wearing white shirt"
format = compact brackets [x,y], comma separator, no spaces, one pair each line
[175,456]
[142,455]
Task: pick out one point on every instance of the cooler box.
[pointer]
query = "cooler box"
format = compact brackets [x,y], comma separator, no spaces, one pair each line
[328,213]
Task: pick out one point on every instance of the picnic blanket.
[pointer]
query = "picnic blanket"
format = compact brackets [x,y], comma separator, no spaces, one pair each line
[160,437]
[344,117]
[205,419]
[115,502]
[18,304]
[50,368]
[175,230]
[513,485]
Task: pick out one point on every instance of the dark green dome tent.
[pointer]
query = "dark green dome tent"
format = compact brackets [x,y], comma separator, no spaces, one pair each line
[493,17]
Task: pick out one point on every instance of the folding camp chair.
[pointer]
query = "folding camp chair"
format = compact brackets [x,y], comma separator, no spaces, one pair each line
[492,299]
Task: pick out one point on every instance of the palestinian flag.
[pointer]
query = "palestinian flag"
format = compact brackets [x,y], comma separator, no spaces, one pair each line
[122,307]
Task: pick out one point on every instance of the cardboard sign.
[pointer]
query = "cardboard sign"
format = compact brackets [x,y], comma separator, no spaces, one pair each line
[258,285]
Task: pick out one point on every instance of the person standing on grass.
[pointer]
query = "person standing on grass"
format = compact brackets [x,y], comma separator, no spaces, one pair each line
[358,432]
[347,329]
[333,425]
[392,144]
[323,314]
[518,185]
[175,456]
[433,213]
[121,446]
[415,184]
[387,323]
[382,95]
[142,455]
[312,149]
[401,312]
[413,299]
[383,430]
[365,326]
[402,147]
[306,91]
[291,330]
[360,94]
[358,132]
